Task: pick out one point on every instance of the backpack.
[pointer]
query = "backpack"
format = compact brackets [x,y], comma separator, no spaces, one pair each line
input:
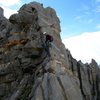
[51,38]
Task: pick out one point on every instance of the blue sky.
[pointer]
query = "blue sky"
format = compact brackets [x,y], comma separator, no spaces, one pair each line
[79,19]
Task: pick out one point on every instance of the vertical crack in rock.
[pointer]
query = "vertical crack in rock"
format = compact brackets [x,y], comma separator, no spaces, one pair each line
[80,79]
[97,87]
[62,88]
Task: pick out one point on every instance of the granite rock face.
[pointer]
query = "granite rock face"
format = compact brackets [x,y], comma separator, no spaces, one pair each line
[28,73]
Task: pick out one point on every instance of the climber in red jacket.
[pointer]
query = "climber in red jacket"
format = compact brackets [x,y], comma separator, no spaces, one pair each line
[48,42]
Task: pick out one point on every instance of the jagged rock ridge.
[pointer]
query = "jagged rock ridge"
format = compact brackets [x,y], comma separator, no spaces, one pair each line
[27,73]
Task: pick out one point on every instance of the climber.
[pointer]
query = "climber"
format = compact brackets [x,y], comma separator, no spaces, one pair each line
[48,43]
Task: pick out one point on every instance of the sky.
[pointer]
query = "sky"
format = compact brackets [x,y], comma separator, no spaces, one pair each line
[80,24]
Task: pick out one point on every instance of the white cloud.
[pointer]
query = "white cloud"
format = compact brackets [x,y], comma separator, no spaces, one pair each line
[83,19]
[8,12]
[85,46]
[5,4]
[98,26]
[9,3]
[97,1]
[97,9]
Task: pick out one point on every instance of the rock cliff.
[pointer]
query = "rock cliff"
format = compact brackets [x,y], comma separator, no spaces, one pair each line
[28,73]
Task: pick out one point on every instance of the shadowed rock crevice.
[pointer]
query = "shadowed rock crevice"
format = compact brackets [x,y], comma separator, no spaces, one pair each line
[80,80]
[97,87]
